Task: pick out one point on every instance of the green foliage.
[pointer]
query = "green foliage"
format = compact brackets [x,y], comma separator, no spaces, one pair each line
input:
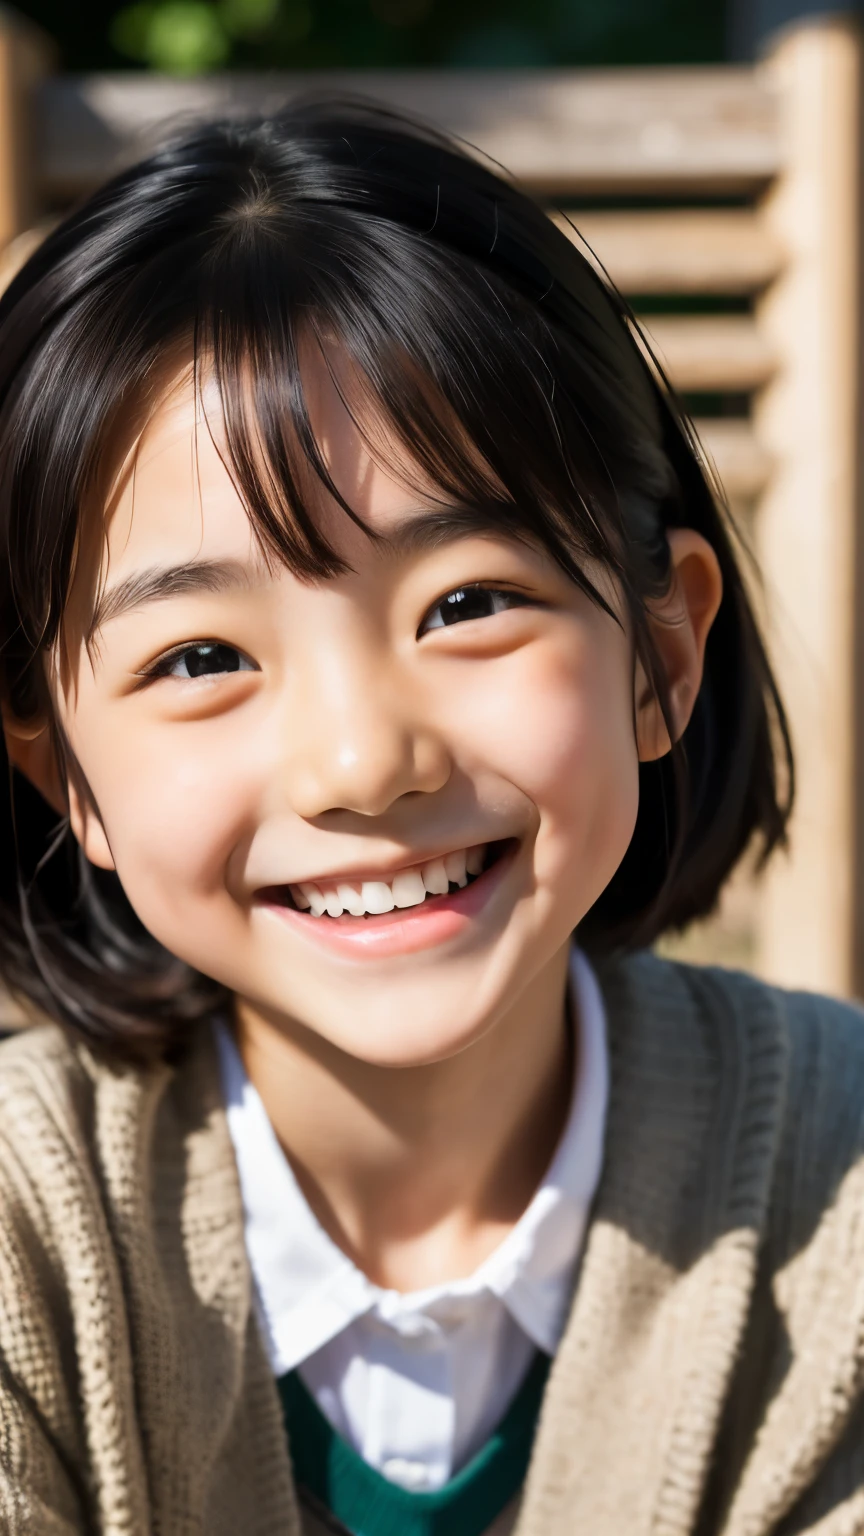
[194,36]
[188,37]
[247,18]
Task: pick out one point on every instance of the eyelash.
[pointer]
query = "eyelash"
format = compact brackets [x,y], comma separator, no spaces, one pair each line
[162,666]
[510,598]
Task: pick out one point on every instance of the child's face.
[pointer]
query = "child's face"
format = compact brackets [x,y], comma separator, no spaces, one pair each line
[349,735]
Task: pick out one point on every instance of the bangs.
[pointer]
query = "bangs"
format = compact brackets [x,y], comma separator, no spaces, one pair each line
[465,411]
[514,393]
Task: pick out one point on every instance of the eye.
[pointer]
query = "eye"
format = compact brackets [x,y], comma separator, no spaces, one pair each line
[210,658]
[473,602]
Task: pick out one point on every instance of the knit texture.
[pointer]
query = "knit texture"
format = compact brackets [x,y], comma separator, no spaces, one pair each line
[711,1378]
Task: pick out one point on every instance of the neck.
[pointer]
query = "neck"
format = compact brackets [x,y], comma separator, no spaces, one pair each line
[419,1172]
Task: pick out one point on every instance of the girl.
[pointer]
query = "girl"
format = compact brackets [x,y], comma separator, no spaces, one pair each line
[368,630]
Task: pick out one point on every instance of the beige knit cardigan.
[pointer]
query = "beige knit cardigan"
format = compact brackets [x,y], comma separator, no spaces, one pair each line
[711,1378]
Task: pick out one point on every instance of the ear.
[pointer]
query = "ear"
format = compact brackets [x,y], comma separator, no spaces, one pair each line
[679,626]
[30,747]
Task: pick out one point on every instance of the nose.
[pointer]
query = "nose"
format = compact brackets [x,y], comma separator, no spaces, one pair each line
[357,740]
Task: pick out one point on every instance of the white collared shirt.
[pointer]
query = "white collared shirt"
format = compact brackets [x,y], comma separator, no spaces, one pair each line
[417,1382]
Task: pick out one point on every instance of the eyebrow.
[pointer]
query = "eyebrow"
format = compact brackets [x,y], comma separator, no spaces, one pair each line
[160,582]
[444,525]
[411,535]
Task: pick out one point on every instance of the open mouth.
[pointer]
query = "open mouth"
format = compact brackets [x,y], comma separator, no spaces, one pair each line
[421,885]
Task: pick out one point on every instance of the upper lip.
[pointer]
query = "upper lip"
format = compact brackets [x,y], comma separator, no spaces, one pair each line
[346,875]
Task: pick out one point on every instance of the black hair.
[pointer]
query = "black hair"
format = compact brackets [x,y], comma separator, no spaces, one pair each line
[495,354]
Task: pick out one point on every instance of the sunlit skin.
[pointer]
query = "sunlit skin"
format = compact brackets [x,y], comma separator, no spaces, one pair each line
[419,1092]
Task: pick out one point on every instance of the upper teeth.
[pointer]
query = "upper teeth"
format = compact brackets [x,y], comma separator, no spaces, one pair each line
[407,889]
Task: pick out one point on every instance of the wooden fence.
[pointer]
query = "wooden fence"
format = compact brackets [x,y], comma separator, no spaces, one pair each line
[726,204]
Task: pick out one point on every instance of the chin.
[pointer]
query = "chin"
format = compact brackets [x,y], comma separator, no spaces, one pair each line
[403,1048]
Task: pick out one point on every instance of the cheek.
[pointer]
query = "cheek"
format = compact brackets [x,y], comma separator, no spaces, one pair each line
[558,724]
[174,803]
[586,783]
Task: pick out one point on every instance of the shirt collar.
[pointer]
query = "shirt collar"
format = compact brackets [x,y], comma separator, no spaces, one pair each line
[309,1291]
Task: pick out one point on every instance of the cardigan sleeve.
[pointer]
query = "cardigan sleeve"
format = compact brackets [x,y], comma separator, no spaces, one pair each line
[41,1454]
[37,1493]
[792,1445]
[70,1453]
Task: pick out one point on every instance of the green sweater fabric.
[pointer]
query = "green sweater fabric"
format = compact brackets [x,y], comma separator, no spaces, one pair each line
[710,1380]
[366,1504]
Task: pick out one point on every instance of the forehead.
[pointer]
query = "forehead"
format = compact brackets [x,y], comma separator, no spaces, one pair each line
[174,499]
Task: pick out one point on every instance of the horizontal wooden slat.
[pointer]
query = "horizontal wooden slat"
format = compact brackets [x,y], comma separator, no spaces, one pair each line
[743,465]
[566,131]
[724,251]
[708,353]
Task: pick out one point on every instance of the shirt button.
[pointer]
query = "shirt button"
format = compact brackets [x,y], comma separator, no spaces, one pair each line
[411,1475]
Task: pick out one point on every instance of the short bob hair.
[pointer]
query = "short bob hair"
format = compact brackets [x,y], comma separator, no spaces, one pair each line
[493,353]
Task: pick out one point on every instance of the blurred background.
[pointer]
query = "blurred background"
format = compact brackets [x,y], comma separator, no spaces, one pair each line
[710,155]
[188,36]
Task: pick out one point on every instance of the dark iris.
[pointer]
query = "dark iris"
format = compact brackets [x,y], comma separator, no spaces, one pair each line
[467,603]
[203,660]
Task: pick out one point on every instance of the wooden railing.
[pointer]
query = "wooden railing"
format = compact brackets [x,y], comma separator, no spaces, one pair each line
[726,204]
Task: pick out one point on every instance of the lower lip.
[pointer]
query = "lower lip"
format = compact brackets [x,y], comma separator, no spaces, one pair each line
[406,929]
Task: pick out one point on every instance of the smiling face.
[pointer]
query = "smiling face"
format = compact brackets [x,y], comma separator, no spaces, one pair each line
[437,745]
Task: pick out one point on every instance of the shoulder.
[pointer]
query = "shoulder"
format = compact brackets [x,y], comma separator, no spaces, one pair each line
[45,1088]
[788,1071]
[91,1155]
[43,1063]
[93,1151]
[51,1087]
[791,1062]
[121,1265]
[819,1180]
[51,1224]
[51,1151]
[70,1118]
[816,1034]
[33,1043]
[819,1039]
[25,1054]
